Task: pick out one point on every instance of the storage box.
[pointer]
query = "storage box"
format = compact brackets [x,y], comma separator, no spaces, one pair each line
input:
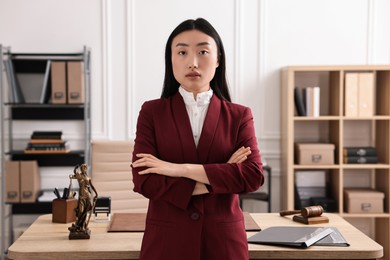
[314,153]
[64,210]
[363,201]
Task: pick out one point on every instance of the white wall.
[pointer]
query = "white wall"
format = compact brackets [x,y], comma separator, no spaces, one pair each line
[127,39]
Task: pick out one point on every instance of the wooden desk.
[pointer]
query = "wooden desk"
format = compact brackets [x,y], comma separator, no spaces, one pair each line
[47,240]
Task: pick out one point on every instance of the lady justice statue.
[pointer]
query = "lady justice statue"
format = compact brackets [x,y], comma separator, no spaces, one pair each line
[85,204]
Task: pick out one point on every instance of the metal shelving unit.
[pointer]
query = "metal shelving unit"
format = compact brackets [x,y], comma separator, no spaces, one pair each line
[39,112]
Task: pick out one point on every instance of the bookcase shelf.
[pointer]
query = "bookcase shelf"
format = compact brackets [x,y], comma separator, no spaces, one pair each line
[335,125]
[72,158]
[47,112]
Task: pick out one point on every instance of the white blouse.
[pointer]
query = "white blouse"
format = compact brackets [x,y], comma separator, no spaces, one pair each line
[196,109]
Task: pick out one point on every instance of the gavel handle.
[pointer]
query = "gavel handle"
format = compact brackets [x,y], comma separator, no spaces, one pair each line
[289,212]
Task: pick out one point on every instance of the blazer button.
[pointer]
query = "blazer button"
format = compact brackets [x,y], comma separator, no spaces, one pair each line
[195,216]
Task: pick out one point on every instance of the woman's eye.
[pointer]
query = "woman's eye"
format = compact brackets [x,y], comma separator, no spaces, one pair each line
[182,53]
[204,52]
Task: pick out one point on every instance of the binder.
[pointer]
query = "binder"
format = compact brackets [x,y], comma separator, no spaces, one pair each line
[75,78]
[351,94]
[300,237]
[12,179]
[300,107]
[30,183]
[58,82]
[366,94]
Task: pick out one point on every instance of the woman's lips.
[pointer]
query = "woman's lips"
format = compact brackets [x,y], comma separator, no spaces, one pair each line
[193,75]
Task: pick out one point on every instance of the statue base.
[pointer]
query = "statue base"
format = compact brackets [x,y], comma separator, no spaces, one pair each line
[85,234]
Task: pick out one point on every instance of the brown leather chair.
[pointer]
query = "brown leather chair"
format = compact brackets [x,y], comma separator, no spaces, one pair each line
[111,175]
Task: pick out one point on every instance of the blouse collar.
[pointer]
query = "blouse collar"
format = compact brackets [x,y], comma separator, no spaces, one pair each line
[201,98]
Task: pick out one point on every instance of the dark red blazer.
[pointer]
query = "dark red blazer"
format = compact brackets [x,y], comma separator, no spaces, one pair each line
[185,227]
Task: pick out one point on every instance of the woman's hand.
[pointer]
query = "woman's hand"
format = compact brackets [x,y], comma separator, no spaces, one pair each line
[240,155]
[155,165]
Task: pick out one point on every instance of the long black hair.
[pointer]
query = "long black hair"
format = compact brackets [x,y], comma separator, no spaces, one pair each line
[219,82]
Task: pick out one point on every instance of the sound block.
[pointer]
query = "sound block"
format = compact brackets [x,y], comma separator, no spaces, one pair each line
[311,220]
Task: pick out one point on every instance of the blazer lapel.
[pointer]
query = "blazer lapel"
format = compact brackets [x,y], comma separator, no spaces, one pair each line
[183,127]
[209,128]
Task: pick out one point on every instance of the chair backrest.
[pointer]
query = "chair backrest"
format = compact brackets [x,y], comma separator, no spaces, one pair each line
[111,175]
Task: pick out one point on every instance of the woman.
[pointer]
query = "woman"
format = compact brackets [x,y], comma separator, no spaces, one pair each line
[195,151]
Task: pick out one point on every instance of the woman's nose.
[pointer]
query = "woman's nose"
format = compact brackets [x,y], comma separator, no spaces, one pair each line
[192,62]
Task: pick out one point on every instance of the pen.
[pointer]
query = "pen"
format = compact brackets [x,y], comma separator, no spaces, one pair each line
[72,195]
[65,194]
[57,193]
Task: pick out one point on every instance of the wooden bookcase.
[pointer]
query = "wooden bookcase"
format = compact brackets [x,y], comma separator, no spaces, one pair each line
[332,126]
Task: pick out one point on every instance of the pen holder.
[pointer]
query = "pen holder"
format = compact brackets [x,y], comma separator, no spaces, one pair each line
[63,210]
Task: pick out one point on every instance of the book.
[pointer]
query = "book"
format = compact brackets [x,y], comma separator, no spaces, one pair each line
[299,102]
[316,101]
[359,151]
[47,141]
[360,159]
[46,135]
[47,146]
[300,237]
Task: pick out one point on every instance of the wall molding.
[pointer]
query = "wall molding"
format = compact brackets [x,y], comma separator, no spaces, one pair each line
[370,31]
[237,50]
[130,74]
[106,61]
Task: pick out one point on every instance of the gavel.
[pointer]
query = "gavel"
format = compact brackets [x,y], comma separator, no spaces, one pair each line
[307,212]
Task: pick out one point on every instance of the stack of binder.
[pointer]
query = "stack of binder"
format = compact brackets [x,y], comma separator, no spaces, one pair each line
[47,142]
[360,154]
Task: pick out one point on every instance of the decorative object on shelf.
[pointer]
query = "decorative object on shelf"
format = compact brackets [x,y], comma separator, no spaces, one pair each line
[363,200]
[308,215]
[315,153]
[85,206]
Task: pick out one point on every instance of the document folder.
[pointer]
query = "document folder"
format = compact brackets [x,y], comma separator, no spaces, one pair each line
[58,82]
[300,237]
[12,179]
[75,74]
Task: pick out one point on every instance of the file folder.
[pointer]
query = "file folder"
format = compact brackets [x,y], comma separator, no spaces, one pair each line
[351,94]
[30,183]
[12,179]
[75,75]
[58,82]
[300,237]
[366,94]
